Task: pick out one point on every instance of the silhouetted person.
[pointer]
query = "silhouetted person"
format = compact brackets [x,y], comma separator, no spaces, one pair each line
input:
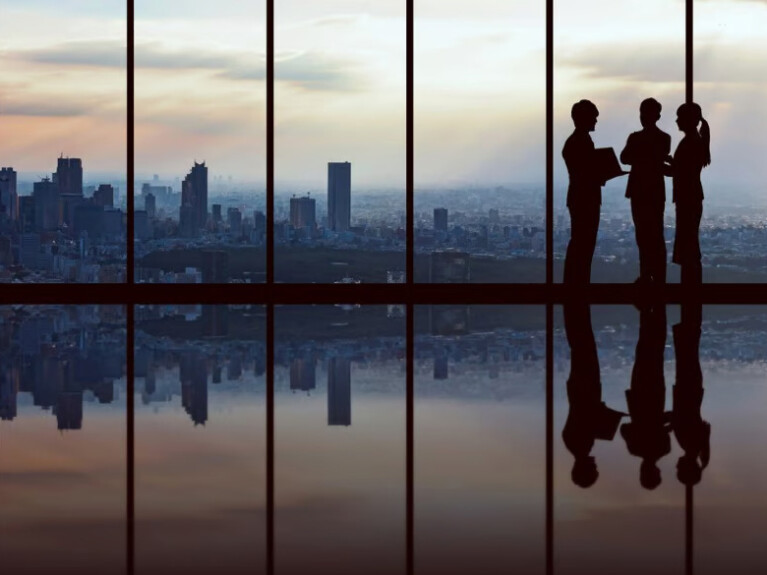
[588,418]
[584,194]
[646,151]
[692,433]
[691,155]
[648,434]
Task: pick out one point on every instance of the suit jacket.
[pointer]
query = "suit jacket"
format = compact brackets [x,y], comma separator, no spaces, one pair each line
[686,168]
[645,152]
[580,159]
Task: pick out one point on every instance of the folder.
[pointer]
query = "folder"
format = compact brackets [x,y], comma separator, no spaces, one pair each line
[607,166]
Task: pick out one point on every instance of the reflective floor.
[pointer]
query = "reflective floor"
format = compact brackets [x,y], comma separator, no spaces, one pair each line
[656,439]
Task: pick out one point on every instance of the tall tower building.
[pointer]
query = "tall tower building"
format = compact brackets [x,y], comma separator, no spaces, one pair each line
[339,196]
[9,201]
[47,205]
[303,212]
[69,176]
[339,391]
[194,192]
[440,219]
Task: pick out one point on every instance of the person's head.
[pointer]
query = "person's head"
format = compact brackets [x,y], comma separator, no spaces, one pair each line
[688,116]
[584,473]
[584,114]
[688,471]
[649,112]
[649,475]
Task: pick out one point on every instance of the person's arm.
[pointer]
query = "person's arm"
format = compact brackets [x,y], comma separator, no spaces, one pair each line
[627,155]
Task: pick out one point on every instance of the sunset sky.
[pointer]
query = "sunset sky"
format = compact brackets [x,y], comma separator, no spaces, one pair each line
[340,94]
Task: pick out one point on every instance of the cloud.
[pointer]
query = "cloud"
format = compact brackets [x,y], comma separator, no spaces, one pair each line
[317,71]
[50,105]
[665,62]
[314,71]
[101,53]
[655,63]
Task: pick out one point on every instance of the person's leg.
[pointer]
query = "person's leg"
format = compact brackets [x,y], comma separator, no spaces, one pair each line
[638,214]
[590,239]
[658,244]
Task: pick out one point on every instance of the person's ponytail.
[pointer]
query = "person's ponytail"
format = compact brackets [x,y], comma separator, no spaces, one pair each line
[705,135]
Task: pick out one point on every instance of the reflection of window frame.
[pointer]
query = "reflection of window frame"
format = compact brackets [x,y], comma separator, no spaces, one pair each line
[408,293]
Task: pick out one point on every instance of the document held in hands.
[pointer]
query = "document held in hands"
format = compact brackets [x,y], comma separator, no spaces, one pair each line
[607,164]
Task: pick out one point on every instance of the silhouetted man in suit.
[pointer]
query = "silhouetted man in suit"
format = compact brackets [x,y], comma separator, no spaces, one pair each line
[645,152]
[692,433]
[648,434]
[588,418]
[584,194]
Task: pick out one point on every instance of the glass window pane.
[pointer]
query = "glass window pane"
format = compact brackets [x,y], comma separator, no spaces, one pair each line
[200,439]
[731,88]
[616,55]
[729,523]
[340,141]
[63,463]
[339,439]
[480,133]
[200,142]
[480,429]
[63,180]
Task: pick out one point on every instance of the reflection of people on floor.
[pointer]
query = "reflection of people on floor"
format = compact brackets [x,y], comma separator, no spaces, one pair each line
[588,418]
[647,435]
[692,433]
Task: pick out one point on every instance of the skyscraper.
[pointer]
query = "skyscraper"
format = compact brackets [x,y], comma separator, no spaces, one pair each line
[440,219]
[339,196]
[104,196]
[303,212]
[339,391]
[47,208]
[69,176]
[194,193]
[9,203]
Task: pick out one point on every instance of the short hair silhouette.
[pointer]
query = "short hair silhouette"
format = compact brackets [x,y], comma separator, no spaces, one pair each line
[649,475]
[585,472]
[650,108]
[688,472]
[583,112]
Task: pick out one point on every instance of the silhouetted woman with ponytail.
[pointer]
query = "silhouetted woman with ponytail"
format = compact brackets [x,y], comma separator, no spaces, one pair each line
[691,155]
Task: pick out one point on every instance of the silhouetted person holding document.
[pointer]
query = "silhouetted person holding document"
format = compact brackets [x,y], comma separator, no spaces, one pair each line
[648,434]
[692,433]
[589,169]
[691,155]
[584,194]
[646,151]
[588,418]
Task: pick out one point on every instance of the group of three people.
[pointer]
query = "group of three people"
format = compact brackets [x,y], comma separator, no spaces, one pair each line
[647,152]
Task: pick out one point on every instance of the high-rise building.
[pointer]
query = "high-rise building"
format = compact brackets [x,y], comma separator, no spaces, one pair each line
[303,212]
[339,391]
[194,192]
[69,176]
[339,196]
[259,221]
[234,219]
[303,374]
[104,196]
[216,213]
[27,214]
[150,205]
[440,219]
[9,202]
[47,209]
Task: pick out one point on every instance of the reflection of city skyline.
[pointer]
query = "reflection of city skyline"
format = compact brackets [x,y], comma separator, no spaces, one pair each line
[63,357]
